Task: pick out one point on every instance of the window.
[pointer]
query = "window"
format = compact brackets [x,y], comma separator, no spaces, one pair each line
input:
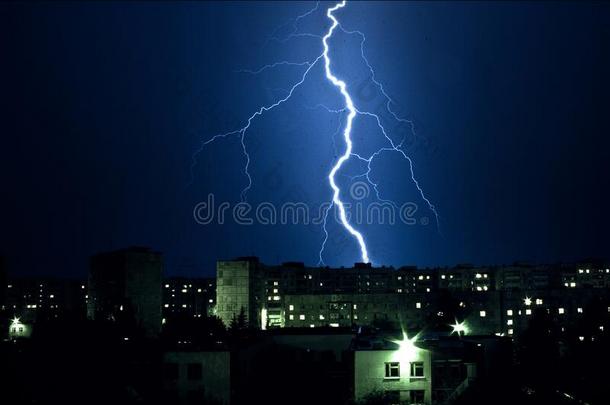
[291,317]
[291,307]
[417,396]
[418,305]
[302,317]
[561,311]
[482,314]
[194,371]
[170,371]
[417,369]
[392,370]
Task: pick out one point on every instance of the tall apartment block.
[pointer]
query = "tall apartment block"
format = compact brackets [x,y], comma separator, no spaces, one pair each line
[126,284]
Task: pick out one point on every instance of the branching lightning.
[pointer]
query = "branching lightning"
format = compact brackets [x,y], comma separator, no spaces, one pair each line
[352,113]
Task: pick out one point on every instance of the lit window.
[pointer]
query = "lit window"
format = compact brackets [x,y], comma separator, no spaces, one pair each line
[275,290]
[561,311]
[509,322]
[291,317]
[443,276]
[478,275]
[417,369]
[572,284]
[482,314]
[199,290]
[183,305]
[302,317]
[528,311]
[291,307]
[538,301]
[276,298]
[355,306]
[420,277]
[166,305]
[580,271]
[210,300]
[427,289]
[166,286]
[275,283]
[579,310]
[418,305]
[321,317]
[581,338]
[509,312]
[479,288]
[510,331]
[392,370]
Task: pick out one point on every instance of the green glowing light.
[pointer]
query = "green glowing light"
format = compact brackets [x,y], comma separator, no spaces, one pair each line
[460,328]
[407,351]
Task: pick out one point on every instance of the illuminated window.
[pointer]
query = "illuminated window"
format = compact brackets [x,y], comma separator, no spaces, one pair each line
[510,331]
[528,312]
[166,286]
[417,369]
[581,338]
[443,276]
[420,277]
[561,311]
[538,301]
[291,307]
[275,290]
[572,284]
[302,317]
[392,370]
[199,290]
[482,314]
[478,275]
[275,283]
[418,305]
[509,312]
[321,317]
[276,298]
[579,310]
[166,305]
[291,317]
[509,322]
[355,306]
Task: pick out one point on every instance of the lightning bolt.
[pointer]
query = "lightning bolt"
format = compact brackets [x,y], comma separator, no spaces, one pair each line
[349,104]
[349,107]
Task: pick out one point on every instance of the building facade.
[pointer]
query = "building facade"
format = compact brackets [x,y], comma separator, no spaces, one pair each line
[126,285]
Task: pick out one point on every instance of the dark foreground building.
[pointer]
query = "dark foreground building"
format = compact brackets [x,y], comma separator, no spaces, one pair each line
[125,287]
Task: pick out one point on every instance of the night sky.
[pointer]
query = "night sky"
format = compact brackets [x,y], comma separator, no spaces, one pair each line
[103,106]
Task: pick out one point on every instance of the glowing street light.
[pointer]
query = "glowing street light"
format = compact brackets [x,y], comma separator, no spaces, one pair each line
[527,301]
[460,328]
[407,351]
[16,321]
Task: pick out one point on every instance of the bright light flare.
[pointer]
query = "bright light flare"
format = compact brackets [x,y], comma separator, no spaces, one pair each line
[460,328]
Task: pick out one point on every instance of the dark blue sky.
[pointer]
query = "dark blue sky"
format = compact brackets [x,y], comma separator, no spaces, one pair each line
[102,106]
